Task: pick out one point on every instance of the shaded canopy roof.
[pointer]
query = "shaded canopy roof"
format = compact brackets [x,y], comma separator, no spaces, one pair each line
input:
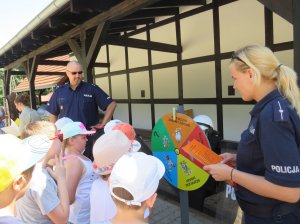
[46,81]
[68,19]
[40,82]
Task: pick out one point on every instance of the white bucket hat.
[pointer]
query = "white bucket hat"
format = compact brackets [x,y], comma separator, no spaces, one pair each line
[62,122]
[18,155]
[127,129]
[139,174]
[110,125]
[108,149]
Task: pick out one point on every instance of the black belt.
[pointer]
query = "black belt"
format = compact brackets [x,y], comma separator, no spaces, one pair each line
[261,211]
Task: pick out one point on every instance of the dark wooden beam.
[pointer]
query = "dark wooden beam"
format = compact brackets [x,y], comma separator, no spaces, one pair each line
[69,20]
[122,29]
[143,44]
[283,8]
[50,73]
[37,73]
[135,22]
[296,22]
[53,62]
[150,13]
[96,44]
[77,6]
[269,30]
[7,77]
[101,65]
[172,3]
[45,34]
[17,73]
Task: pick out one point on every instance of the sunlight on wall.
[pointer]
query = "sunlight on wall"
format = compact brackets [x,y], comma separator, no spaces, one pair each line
[281,24]
[117,58]
[103,84]
[241,23]
[197,35]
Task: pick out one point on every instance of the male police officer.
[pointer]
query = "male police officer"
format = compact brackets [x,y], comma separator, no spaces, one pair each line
[79,101]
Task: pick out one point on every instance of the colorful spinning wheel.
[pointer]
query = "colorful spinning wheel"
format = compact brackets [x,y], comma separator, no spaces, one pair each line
[168,138]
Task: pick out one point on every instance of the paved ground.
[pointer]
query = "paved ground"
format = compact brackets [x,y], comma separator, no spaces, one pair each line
[167,211]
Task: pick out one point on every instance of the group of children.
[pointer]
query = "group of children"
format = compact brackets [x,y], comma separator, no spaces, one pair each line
[119,186]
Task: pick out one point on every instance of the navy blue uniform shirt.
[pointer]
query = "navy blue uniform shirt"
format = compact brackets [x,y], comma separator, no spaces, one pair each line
[269,147]
[80,104]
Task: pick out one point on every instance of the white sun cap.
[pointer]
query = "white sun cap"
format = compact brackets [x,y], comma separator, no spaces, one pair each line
[139,174]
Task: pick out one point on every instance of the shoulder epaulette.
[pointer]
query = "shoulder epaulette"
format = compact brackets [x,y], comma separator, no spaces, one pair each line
[280,110]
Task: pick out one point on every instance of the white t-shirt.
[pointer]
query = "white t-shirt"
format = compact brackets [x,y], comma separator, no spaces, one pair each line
[27,116]
[40,199]
[103,207]
[10,220]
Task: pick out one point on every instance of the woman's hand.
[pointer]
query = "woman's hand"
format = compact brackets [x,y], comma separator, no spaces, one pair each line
[220,172]
[229,159]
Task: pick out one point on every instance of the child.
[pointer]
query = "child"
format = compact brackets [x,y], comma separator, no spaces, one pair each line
[127,129]
[17,161]
[45,201]
[106,151]
[79,171]
[133,184]
[62,122]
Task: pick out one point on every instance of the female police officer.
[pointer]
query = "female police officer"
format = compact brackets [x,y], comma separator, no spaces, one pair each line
[267,170]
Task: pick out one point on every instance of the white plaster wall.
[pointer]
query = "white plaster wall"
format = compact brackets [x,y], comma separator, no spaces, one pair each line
[199,80]
[286,57]
[139,81]
[236,119]
[102,57]
[103,84]
[162,109]
[137,57]
[116,58]
[141,116]
[227,80]
[205,109]
[121,112]
[119,87]
[283,30]
[241,23]
[159,57]
[165,34]
[197,36]
[165,83]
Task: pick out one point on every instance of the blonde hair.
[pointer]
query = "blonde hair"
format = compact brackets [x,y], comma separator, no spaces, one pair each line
[266,66]
[38,127]
[123,193]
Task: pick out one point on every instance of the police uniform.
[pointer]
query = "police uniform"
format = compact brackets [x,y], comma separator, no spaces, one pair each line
[80,104]
[269,147]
